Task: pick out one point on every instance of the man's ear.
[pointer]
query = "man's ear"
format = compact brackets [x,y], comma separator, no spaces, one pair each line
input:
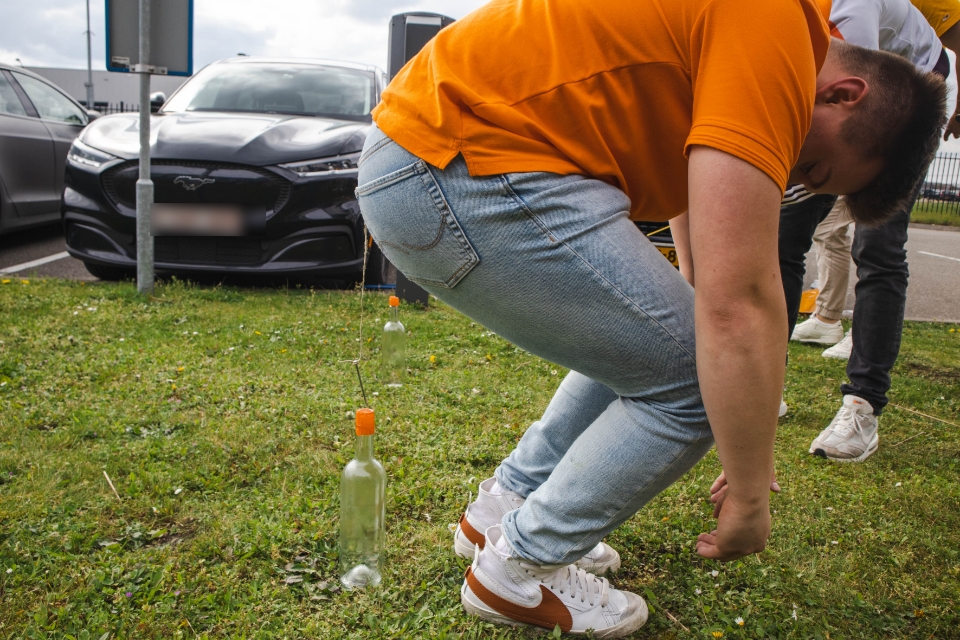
[847,92]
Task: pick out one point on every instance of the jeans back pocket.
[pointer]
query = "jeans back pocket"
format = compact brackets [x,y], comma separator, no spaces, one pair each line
[409,217]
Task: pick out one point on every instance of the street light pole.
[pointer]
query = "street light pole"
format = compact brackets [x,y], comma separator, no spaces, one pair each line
[89,83]
[144,183]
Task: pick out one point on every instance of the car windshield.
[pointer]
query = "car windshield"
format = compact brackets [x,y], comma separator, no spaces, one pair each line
[295,89]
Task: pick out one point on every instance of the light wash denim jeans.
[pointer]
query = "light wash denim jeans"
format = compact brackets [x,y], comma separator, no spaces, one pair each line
[553,264]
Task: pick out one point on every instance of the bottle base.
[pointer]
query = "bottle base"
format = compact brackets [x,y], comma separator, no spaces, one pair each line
[359,577]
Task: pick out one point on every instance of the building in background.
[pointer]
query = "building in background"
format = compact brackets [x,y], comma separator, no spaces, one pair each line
[112,92]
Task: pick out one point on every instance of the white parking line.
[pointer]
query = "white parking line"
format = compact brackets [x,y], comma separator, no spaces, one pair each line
[34,263]
[937,255]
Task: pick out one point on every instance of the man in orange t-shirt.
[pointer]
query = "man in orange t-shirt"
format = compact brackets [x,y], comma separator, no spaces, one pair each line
[509,159]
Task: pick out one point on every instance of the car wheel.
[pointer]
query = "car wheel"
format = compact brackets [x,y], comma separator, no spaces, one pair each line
[379,270]
[109,273]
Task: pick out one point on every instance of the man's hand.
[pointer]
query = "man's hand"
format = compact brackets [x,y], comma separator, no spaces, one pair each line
[719,489]
[741,531]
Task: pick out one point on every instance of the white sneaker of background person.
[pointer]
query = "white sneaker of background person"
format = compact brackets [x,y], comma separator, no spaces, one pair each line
[851,436]
[842,349]
[503,588]
[492,503]
[816,331]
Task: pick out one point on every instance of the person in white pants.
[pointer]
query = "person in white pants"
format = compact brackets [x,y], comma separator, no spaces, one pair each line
[833,239]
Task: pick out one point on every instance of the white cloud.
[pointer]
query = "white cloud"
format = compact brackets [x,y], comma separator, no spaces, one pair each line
[50,33]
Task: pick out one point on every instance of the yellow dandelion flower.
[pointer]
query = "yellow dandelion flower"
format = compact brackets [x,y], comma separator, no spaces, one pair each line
[179,368]
[918,613]
[283,350]
[665,518]
[173,387]
[433,358]
[258,333]
[6,281]
[717,634]
[24,282]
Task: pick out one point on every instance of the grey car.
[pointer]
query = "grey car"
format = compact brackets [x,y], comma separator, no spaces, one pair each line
[38,123]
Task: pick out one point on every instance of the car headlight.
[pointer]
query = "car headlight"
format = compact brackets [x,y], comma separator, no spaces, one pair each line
[324,166]
[87,156]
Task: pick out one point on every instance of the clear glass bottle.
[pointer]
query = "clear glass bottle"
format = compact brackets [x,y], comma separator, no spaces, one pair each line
[362,511]
[394,348]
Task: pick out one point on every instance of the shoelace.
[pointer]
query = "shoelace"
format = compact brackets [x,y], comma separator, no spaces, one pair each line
[849,422]
[571,580]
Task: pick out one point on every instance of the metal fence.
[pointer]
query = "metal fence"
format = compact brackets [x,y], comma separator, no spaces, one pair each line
[106,108]
[941,189]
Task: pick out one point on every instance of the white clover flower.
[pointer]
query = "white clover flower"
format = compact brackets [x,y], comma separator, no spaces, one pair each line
[697,591]
[714,573]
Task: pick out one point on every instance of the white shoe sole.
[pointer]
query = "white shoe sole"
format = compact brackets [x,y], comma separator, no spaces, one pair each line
[475,607]
[871,449]
[465,549]
[824,341]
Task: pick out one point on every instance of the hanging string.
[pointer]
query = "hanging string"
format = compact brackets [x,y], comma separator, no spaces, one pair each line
[367,241]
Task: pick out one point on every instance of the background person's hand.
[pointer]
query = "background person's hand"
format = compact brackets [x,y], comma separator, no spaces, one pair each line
[741,531]
[719,489]
[953,127]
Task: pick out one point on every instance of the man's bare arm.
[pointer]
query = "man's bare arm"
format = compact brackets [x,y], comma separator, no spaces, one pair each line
[741,337]
[680,230]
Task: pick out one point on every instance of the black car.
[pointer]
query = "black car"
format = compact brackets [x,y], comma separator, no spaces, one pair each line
[274,138]
[38,123]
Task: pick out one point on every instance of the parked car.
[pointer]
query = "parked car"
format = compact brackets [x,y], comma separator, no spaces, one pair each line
[38,123]
[277,138]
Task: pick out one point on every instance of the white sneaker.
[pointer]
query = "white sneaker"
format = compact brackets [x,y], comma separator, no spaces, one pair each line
[812,330]
[783,408]
[842,349]
[851,436]
[508,590]
[492,503]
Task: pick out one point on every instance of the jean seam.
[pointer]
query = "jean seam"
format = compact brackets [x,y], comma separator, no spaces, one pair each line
[369,188]
[529,213]
[377,146]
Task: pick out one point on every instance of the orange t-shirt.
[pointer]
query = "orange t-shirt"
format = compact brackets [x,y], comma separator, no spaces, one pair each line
[617,90]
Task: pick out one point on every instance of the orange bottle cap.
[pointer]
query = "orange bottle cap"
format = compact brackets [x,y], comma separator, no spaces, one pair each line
[365,422]
[394,301]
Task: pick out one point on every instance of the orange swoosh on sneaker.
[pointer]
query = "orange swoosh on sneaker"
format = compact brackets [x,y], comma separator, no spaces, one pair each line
[472,534]
[548,614]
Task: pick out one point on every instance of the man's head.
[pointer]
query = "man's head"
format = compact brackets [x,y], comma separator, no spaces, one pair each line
[876,126]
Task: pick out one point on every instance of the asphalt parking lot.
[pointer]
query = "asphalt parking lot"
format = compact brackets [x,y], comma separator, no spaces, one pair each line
[933,253]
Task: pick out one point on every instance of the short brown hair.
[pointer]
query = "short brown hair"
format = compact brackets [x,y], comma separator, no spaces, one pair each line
[901,122]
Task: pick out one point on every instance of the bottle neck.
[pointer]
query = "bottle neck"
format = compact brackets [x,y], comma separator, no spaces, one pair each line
[395,314]
[364,448]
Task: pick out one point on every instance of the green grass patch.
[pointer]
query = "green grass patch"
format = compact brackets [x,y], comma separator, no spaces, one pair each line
[221,416]
[942,213]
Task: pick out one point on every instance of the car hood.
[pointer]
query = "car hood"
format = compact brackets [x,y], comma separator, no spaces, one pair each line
[245,138]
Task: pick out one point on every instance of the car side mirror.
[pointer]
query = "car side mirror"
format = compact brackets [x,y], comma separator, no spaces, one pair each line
[93,115]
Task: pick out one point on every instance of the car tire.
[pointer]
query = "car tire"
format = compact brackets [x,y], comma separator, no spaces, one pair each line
[109,273]
[380,271]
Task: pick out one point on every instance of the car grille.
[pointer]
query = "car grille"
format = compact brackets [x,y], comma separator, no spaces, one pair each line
[201,250]
[231,184]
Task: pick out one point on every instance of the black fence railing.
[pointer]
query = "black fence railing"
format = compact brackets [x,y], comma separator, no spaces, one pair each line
[106,108]
[941,190]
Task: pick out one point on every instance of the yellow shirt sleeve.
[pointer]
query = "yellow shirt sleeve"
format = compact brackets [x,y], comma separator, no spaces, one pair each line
[941,14]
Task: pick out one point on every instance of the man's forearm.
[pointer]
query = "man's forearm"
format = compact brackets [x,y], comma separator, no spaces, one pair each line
[741,350]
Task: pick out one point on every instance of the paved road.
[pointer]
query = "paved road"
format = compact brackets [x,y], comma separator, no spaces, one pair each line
[934,257]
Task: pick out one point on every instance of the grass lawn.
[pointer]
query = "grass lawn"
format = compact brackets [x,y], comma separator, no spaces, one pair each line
[221,416]
[944,213]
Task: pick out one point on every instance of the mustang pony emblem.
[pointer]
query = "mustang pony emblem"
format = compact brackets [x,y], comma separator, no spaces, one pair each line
[192,184]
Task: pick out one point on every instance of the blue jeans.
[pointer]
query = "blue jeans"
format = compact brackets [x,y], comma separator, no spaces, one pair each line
[553,264]
[881,293]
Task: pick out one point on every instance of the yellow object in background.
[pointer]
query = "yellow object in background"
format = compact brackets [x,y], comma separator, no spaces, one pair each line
[808,299]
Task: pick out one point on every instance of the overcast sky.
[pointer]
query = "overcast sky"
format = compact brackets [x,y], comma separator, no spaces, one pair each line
[50,33]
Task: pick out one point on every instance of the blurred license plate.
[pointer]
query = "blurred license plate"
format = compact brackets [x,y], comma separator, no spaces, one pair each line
[670,253]
[179,219]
